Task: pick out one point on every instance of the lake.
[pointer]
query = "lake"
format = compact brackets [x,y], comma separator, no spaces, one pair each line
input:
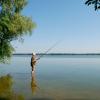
[69,77]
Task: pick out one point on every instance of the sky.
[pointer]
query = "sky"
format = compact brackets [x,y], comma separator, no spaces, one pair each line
[71,22]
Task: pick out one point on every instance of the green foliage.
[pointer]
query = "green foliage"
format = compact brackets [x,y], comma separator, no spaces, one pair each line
[6,50]
[13,25]
[96,3]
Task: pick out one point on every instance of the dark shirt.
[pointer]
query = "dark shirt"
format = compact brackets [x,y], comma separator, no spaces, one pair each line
[33,60]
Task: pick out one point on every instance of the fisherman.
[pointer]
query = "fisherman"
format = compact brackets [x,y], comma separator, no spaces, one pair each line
[33,61]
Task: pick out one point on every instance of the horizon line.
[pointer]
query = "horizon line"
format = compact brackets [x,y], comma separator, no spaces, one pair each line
[57,53]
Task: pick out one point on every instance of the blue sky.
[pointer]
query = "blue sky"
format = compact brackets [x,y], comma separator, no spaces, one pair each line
[71,21]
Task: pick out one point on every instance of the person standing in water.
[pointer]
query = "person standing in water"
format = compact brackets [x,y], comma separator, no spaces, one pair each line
[33,61]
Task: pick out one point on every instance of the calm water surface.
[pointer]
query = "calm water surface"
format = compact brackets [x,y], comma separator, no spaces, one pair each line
[55,78]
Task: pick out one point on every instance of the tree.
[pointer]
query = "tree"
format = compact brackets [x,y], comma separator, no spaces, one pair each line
[13,25]
[96,3]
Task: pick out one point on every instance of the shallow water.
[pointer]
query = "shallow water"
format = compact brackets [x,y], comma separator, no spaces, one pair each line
[69,77]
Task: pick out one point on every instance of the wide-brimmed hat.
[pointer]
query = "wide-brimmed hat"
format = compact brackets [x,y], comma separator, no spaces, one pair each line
[33,53]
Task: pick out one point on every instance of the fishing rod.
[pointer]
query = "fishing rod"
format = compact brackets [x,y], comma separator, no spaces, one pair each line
[49,49]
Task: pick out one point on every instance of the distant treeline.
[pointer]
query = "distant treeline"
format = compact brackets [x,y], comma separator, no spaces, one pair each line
[58,54]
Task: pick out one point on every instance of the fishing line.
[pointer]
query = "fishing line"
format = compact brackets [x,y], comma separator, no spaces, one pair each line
[49,49]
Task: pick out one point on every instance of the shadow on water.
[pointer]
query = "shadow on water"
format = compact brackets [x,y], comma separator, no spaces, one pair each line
[41,99]
[6,91]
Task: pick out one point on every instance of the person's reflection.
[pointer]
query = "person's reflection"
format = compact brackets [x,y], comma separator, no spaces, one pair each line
[33,83]
[6,91]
